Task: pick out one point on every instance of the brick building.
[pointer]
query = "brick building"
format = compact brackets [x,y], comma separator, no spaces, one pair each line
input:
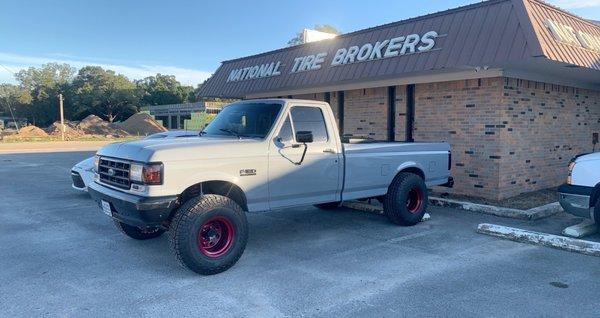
[512,85]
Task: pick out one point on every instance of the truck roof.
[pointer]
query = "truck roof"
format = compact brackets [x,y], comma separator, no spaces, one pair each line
[284,100]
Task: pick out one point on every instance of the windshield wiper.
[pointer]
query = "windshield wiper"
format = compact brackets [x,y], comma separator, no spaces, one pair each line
[202,132]
[231,132]
[237,134]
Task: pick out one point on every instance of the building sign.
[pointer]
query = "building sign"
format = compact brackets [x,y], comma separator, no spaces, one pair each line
[402,45]
[388,48]
[568,35]
[256,71]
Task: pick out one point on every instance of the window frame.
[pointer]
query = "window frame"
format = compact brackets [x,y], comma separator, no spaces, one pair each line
[290,116]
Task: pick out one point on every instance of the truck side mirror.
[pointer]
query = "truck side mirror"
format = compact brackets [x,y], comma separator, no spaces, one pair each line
[304,137]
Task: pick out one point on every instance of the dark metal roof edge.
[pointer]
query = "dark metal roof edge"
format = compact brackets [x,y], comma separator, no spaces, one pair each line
[206,83]
[337,83]
[382,26]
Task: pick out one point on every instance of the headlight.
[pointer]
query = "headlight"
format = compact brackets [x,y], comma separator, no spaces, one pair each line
[96,163]
[570,176]
[150,174]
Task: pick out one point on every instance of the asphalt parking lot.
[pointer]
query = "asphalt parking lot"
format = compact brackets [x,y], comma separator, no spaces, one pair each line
[62,257]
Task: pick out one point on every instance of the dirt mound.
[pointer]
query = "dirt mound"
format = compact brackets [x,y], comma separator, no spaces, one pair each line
[94,125]
[32,131]
[71,130]
[141,124]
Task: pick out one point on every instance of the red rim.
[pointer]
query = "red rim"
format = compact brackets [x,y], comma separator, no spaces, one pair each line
[414,200]
[215,236]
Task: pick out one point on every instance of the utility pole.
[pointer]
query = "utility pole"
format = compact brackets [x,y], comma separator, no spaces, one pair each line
[62,116]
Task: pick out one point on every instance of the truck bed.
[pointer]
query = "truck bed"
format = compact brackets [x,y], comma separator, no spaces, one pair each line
[371,166]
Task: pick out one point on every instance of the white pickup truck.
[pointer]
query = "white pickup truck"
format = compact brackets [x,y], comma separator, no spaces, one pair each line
[580,196]
[256,155]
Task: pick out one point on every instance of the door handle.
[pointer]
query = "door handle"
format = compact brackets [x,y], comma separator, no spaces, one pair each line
[329,150]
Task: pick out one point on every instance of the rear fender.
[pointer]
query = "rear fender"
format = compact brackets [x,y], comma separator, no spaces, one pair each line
[411,166]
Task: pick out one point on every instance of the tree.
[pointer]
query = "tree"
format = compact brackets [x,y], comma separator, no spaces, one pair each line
[40,88]
[103,93]
[13,100]
[163,89]
[319,27]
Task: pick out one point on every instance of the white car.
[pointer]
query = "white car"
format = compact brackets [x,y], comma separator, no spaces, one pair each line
[83,172]
[580,196]
[256,155]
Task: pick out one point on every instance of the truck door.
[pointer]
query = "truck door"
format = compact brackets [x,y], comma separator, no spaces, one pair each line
[293,181]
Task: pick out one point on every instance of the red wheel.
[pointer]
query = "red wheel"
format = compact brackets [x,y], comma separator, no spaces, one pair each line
[414,200]
[215,236]
[406,200]
[208,234]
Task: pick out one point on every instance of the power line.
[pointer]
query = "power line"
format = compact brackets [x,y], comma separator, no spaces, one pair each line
[8,100]
[6,68]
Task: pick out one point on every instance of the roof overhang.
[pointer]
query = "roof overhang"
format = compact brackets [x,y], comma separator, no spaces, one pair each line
[491,38]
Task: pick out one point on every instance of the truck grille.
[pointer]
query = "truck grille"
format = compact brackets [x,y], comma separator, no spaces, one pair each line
[114,172]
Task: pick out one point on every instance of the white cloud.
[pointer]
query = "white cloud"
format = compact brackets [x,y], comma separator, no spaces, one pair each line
[575,4]
[15,63]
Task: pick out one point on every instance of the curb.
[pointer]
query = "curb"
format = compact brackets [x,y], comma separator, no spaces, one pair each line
[542,239]
[531,214]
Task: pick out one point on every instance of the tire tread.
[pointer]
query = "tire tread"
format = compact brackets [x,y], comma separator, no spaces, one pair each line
[389,201]
[185,214]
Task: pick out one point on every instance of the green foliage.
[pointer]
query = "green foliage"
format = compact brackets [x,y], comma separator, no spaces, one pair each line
[198,121]
[40,88]
[12,100]
[92,90]
[297,39]
[103,93]
[164,89]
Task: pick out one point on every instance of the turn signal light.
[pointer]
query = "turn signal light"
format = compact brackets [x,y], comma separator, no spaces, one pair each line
[570,176]
[152,174]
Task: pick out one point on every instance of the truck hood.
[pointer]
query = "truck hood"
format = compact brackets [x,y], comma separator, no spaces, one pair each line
[589,157]
[153,150]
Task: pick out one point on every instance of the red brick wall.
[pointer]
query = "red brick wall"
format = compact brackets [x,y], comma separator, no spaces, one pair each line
[334,106]
[543,127]
[458,112]
[365,113]
[315,96]
[400,113]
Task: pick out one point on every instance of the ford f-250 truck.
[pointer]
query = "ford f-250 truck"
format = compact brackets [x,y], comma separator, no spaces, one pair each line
[256,155]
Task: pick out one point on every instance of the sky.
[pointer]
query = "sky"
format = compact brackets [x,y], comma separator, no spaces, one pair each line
[187,39]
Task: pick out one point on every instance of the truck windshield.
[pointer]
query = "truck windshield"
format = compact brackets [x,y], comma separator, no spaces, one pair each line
[252,120]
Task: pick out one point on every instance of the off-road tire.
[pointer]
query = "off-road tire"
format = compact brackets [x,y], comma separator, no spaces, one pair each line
[328,206]
[406,200]
[139,233]
[185,233]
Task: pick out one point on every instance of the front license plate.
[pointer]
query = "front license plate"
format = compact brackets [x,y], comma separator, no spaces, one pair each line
[106,208]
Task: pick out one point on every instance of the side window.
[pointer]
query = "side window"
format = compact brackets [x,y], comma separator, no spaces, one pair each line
[285,133]
[310,119]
